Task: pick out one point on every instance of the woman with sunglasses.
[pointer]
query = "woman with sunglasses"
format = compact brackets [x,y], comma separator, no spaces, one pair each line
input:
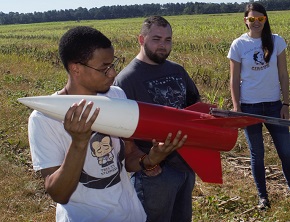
[259,80]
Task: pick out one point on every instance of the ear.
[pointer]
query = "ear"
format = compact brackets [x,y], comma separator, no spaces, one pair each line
[246,23]
[73,68]
[141,39]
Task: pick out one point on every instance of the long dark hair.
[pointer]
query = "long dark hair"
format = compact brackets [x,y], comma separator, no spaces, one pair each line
[267,40]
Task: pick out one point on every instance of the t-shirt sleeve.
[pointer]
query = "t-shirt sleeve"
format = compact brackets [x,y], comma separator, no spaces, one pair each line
[45,141]
[234,52]
[192,93]
[280,43]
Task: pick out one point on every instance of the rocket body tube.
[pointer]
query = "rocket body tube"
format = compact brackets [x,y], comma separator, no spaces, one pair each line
[207,135]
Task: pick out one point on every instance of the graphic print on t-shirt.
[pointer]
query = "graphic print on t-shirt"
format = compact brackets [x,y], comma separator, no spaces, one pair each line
[102,150]
[105,164]
[258,57]
[167,91]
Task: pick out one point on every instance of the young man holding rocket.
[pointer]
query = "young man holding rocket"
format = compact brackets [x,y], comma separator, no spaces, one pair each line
[84,170]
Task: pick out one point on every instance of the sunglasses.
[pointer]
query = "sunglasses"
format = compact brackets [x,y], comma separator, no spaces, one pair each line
[259,18]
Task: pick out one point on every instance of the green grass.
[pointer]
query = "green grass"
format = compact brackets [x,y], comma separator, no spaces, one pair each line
[30,66]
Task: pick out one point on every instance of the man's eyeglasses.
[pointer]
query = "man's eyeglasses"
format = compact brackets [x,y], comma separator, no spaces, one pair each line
[117,65]
[259,18]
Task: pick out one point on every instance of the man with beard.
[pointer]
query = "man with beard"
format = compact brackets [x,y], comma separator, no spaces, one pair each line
[84,170]
[165,190]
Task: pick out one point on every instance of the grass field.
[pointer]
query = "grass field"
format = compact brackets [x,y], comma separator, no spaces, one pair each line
[29,66]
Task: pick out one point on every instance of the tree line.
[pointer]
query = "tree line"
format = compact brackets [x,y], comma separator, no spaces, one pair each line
[133,11]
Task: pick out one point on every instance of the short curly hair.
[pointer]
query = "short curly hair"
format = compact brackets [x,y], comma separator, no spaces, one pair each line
[79,43]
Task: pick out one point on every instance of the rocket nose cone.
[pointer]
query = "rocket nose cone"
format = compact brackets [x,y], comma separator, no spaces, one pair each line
[20,100]
[31,102]
[23,100]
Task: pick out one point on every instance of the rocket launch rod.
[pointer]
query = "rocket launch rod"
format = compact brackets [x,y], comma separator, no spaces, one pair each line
[267,119]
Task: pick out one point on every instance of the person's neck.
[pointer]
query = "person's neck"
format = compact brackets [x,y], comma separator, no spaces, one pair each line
[63,91]
[254,35]
[71,90]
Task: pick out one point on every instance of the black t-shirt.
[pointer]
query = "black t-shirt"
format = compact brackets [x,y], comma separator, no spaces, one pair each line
[166,84]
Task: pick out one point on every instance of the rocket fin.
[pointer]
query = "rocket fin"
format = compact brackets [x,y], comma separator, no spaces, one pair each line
[230,122]
[201,107]
[204,162]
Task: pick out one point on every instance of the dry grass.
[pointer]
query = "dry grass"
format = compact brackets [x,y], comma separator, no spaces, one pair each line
[236,198]
[22,196]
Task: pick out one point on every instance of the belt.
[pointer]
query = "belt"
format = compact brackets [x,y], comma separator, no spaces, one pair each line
[261,104]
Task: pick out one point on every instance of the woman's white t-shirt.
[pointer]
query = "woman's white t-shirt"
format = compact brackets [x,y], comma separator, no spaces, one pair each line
[259,80]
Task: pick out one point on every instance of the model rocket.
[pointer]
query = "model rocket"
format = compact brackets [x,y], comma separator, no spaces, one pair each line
[207,135]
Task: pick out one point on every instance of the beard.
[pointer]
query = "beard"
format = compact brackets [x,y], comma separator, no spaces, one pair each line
[155,57]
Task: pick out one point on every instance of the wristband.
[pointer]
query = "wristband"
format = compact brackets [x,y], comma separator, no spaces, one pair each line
[143,166]
[141,162]
[152,168]
[285,104]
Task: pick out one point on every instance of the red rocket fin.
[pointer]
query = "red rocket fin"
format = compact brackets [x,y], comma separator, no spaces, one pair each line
[204,162]
[201,107]
[230,122]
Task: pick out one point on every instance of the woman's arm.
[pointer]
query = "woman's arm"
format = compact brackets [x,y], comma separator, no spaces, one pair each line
[284,82]
[235,71]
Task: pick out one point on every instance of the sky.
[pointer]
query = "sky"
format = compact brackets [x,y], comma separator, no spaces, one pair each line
[26,6]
